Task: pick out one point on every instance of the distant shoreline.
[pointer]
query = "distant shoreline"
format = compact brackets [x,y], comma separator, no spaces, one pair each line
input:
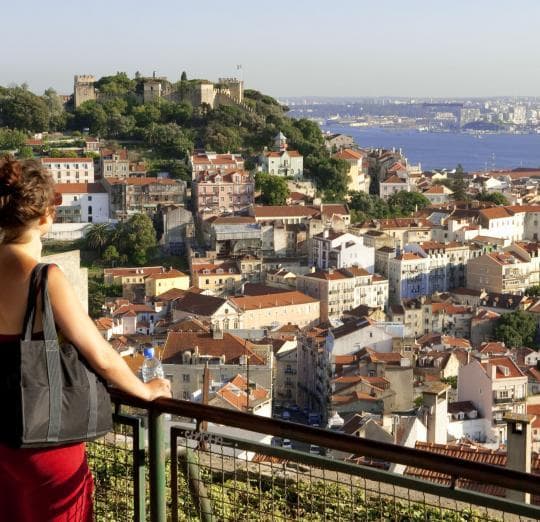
[437,150]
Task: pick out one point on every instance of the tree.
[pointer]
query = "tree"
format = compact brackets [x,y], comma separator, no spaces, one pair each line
[183,77]
[492,197]
[97,236]
[91,115]
[517,329]
[23,110]
[11,139]
[25,153]
[111,255]
[274,189]
[169,140]
[533,291]
[403,203]
[135,238]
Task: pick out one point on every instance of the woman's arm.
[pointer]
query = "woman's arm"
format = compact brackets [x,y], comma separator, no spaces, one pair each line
[77,326]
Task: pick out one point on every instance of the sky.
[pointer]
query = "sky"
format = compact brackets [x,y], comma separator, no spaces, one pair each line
[418,48]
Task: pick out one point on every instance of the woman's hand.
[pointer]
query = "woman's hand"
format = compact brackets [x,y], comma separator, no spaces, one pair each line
[158,388]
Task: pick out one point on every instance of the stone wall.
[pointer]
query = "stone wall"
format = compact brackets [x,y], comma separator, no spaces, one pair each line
[70,263]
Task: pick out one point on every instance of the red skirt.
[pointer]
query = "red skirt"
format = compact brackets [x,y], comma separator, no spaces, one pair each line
[45,485]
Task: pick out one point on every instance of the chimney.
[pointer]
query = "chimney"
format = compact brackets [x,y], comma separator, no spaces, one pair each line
[435,399]
[519,448]
[325,233]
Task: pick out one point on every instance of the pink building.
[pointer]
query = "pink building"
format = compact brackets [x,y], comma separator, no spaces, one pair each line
[216,193]
[210,161]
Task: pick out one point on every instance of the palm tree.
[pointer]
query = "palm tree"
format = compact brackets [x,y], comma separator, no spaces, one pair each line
[97,236]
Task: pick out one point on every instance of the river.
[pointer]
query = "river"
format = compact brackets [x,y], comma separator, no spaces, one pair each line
[445,150]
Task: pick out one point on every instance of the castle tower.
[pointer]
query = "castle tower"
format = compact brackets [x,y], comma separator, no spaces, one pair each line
[280,142]
[83,89]
[235,86]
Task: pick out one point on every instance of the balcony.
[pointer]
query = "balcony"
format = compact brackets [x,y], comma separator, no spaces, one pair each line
[187,473]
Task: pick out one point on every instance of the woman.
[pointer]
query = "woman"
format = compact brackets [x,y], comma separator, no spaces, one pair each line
[53,484]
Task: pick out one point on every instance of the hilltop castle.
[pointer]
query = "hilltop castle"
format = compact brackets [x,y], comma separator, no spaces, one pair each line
[227,91]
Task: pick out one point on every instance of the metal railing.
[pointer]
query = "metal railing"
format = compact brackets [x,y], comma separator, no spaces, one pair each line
[214,464]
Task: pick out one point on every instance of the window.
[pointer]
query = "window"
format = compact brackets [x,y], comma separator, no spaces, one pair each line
[89,209]
[185,377]
[89,198]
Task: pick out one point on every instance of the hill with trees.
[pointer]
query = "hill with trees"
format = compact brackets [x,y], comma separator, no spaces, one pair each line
[165,131]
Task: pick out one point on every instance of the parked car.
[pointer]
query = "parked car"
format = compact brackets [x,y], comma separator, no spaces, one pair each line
[314,449]
[286,415]
[287,444]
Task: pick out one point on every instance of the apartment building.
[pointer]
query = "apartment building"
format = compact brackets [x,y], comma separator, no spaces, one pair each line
[132,195]
[408,276]
[223,192]
[82,203]
[341,290]
[447,263]
[393,185]
[157,284]
[219,278]
[358,169]
[495,386]
[187,353]
[499,272]
[331,249]
[114,163]
[438,194]
[212,162]
[70,170]
[270,310]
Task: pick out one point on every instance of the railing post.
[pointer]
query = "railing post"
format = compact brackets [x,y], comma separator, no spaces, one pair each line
[158,507]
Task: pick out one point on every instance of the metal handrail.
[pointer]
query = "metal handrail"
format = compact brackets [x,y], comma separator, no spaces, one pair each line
[454,467]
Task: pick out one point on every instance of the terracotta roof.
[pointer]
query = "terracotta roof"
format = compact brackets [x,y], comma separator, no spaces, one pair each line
[140,271]
[108,153]
[272,300]
[67,160]
[215,269]
[142,181]
[189,324]
[409,256]
[496,213]
[438,189]
[393,180]
[330,209]
[336,274]
[277,211]
[462,406]
[278,154]
[348,154]
[466,452]
[353,397]
[171,274]
[493,347]
[133,309]
[104,323]
[79,188]
[199,304]
[233,348]
[502,362]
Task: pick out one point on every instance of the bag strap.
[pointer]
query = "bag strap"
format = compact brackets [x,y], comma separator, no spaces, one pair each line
[47,316]
[30,313]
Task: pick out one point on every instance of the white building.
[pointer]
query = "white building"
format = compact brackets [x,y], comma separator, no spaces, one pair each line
[340,250]
[281,161]
[438,194]
[82,203]
[496,387]
[408,276]
[343,289]
[213,162]
[70,170]
[393,185]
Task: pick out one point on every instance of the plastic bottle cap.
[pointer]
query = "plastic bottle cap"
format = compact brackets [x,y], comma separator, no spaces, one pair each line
[148,353]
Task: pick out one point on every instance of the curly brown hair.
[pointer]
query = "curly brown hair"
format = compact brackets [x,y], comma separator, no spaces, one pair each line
[26,194]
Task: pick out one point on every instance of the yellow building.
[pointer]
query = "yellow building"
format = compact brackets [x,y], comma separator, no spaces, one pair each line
[260,311]
[224,278]
[358,169]
[157,284]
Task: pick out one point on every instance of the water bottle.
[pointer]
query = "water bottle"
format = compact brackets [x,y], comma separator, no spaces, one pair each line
[151,366]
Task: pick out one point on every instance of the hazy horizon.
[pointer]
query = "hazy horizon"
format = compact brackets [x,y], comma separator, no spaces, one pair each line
[303,49]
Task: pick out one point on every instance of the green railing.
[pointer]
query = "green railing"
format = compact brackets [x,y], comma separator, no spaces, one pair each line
[176,470]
